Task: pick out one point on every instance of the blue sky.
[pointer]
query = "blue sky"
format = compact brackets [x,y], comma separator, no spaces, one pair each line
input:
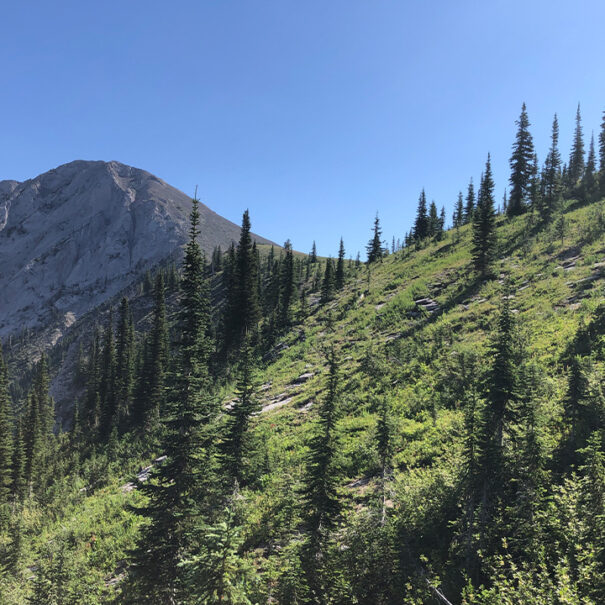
[314,115]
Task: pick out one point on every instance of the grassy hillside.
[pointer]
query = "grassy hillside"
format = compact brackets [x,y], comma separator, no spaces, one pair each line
[413,330]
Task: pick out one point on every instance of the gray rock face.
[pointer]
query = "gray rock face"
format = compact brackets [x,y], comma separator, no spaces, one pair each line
[75,236]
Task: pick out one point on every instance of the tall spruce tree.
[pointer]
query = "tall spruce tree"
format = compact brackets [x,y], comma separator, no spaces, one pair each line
[433,221]
[124,362]
[340,266]
[484,224]
[421,224]
[522,166]
[313,254]
[551,175]
[328,283]
[469,208]
[19,481]
[6,434]
[374,247]
[108,376]
[589,180]
[234,445]
[286,287]
[458,218]
[180,490]
[575,167]
[320,500]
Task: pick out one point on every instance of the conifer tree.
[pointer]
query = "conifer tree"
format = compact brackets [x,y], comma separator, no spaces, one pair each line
[441,224]
[313,254]
[421,224]
[575,168]
[374,247]
[124,361]
[180,490]
[151,389]
[551,175]
[484,224]
[233,447]
[433,221]
[286,286]
[6,434]
[469,208]
[340,266]
[320,500]
[522,166]
[107,387]
[19,482]
[328,283]
[458,218]
[602,146]
[589,180]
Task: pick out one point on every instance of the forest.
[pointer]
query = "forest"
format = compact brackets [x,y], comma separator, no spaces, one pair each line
[422,425]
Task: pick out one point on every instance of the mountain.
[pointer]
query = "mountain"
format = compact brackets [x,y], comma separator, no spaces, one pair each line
[75,236]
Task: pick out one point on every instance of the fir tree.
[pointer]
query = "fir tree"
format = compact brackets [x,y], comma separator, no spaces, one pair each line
[374,247]
[124,361]
[180,489]
[602,146]
[233,447]
[328,283]
[522,166]
[551,175]
[421,224]
[19,480]
[433,221]
[458,217]
[575,168]
[313,254]
[320,500]
[286,286]
[340,266]
[469,208]
[107,387]
[484,224]
[6,434]
[589,180]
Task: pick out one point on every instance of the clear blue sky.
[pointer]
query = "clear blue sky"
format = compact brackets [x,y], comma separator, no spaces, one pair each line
[313,114]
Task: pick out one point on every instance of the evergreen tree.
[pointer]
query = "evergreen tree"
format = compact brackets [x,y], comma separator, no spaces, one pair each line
[433,221]
[575,168]
[233,447]
[469,208]
[602,158]
[313,254]
[589,180]
[124,361]
[327,286]
[6,434]
[19,481]
[340,266]
[374,247]
[151,389]
[484,224]
[108,376]
[551,176]
[458,217]
[320,500]
[421,224]
[286,286]
[522,166]
[441,224]
[180,490]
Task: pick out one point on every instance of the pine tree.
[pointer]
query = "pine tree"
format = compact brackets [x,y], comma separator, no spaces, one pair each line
[575,168]
[180,490]
[374,247]
[421,224]
[602,158]
[484,224]
[107,387]
[340,266]
[328,283]
[6,434]
[522,166]
[469,208]
[441,224]
[286,286]
[234,445]
[320,500]
[458,218]
[589,180]
[19,481]
[433,221]
[551,176]
[151,389]
[124,362]
[313,254]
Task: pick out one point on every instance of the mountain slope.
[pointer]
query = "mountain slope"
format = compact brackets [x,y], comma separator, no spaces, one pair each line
[75,236]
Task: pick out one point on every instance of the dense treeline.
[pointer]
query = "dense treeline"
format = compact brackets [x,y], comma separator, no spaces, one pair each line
[519,517]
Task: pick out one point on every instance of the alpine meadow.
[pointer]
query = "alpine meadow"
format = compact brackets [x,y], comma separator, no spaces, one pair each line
[192,413]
